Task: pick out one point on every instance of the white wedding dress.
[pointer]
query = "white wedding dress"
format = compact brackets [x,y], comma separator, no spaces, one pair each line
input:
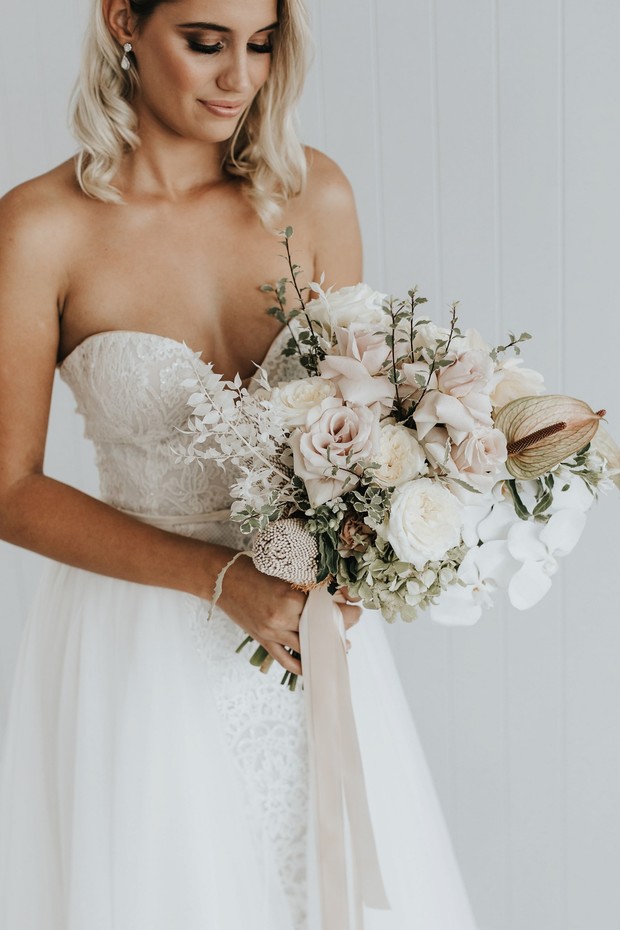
[151,778]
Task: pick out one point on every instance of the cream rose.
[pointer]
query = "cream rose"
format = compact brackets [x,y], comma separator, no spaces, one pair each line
[512,382]
[294,400]
[425,522]
[400,457]
[426,335]
[471,339]
[358,303]
[336,439]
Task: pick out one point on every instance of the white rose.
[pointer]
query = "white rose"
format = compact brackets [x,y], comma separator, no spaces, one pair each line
[512,382]
[400,457]
[425,522]
[471,339]
[294,400]
[427,334]
[358,303]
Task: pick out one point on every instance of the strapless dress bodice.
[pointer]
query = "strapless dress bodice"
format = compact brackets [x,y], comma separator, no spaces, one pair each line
[129,387]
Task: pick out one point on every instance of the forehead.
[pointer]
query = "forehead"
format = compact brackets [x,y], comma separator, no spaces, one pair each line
[242,15]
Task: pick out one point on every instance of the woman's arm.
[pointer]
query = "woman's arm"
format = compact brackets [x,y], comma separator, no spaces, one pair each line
[58,521]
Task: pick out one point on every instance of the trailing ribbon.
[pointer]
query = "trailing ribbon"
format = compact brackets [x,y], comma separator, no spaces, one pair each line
[336,772]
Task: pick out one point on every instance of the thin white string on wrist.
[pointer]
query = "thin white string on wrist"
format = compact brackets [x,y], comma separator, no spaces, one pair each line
[219,581]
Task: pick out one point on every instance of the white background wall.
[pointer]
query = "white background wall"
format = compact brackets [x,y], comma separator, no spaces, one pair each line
[482,141]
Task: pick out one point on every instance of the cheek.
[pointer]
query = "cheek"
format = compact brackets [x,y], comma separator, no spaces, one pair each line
[259,69]
[165,72]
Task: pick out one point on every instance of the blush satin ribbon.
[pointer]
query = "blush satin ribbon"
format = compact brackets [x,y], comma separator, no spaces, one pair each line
[338,788]
[336,772]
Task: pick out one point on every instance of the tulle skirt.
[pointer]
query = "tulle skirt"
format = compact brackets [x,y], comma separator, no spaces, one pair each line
[151,779]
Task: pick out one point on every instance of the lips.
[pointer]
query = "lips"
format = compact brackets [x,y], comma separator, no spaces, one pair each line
[223,108]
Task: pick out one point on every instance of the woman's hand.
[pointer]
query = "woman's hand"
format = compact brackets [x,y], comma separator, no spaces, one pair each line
[346,602]
[269,610]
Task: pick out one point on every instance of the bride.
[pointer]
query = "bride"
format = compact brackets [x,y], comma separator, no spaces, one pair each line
[151,778]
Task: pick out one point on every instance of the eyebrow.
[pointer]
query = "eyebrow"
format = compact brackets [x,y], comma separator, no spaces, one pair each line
[213,27]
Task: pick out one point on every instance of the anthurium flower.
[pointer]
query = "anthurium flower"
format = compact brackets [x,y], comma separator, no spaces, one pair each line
[543,431]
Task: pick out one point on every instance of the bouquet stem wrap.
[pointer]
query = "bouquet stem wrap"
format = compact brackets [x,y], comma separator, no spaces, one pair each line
[337,776]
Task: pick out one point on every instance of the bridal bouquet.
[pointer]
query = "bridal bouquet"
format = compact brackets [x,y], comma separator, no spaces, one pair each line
[413,464]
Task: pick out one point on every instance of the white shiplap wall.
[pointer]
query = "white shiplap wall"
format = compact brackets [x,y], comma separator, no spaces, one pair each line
[481,140]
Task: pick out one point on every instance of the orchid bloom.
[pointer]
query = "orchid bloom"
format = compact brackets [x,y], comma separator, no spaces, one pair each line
[538,551]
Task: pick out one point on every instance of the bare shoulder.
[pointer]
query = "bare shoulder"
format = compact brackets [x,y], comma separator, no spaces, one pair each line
[38,213]
[327,184]
[332,218]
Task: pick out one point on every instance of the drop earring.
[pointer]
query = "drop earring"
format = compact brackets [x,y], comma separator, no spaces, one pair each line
[125,61]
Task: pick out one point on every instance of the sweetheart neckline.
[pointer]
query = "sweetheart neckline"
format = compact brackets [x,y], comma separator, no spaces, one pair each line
[182,345]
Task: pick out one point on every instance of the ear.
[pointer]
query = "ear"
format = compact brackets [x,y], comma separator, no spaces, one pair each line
[120,20]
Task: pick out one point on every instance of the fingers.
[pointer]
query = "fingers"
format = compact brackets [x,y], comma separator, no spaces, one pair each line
[290,639]
[350,615]
[285,659]
[344,592]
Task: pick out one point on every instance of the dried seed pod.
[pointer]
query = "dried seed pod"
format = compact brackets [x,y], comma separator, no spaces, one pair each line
[542,431]
[286,550]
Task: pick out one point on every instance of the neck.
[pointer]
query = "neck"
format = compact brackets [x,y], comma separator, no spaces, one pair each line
[167,166]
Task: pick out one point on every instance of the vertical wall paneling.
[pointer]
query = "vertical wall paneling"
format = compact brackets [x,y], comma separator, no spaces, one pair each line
[530,262]
[591,325]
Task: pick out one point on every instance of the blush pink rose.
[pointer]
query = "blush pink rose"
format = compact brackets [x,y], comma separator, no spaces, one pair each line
[482,453]
[356,384]
[471,373]
[364,342]
[459,418]
[417,377]
[329,451]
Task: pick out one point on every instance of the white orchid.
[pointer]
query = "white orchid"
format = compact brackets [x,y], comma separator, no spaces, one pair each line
[537,547]
[484,570]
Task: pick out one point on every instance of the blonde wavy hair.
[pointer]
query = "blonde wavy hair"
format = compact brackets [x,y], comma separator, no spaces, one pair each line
[265,151]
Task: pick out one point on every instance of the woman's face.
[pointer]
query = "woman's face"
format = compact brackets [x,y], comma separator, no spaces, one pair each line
[202,62]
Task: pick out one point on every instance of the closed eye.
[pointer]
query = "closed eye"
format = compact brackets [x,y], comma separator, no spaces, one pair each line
[261,48]
[205,49]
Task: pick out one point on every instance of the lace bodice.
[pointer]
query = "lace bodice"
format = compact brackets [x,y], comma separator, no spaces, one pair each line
[129,389]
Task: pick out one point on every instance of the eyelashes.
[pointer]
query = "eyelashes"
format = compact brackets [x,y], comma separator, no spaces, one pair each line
[261,49]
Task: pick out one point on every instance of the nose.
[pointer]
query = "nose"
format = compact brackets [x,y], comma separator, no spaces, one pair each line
[234,75]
